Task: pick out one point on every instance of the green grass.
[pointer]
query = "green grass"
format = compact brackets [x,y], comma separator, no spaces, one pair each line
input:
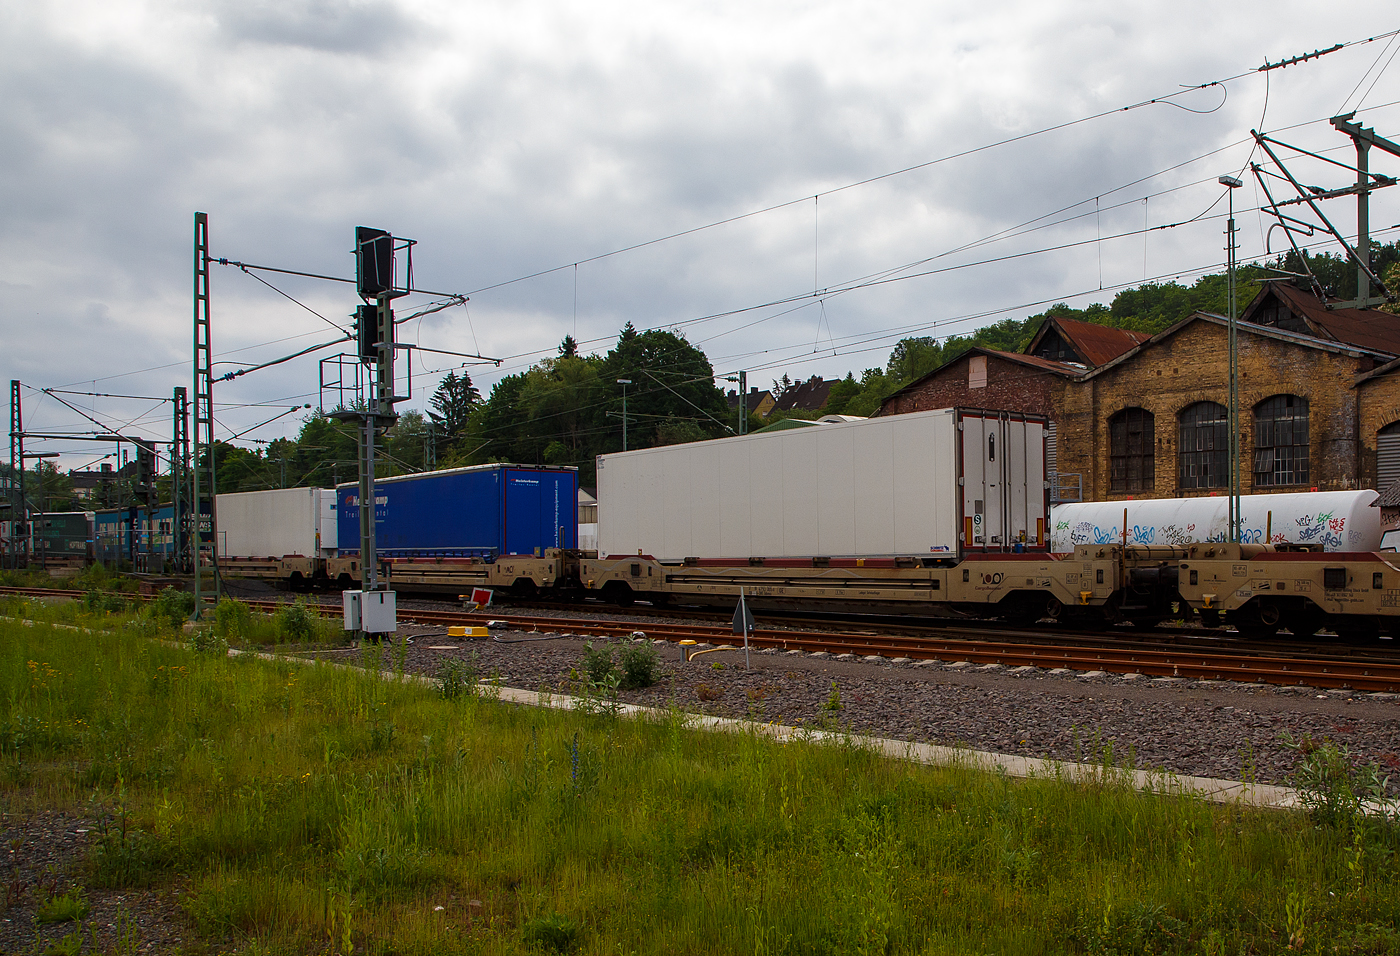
[321,810]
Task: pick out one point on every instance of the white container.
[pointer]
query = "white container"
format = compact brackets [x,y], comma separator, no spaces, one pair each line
[939,482]
[277,523]
[1338,520]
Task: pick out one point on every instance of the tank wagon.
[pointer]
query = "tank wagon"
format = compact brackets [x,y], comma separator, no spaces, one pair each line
[1320,520]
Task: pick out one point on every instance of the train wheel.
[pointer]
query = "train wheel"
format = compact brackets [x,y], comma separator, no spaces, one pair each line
[1306,622]
[1257,620]
[619,593]
[1358,630]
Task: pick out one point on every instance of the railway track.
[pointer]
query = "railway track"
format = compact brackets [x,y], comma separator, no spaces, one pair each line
[1040,650]
[1190,664]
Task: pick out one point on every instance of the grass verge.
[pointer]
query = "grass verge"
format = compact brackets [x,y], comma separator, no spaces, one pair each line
[329,810]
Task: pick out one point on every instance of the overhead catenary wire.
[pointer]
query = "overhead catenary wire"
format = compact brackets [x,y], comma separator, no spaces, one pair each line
[898,172]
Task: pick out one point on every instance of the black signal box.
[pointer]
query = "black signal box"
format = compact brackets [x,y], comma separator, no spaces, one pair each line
[367,331]
[374,261]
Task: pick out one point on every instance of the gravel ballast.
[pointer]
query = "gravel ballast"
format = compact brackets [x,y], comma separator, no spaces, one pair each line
[1199,728]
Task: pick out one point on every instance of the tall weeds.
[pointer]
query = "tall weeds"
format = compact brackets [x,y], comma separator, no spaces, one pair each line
[323,809]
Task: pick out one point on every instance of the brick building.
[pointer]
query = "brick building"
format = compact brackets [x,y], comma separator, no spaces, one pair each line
[1319,399]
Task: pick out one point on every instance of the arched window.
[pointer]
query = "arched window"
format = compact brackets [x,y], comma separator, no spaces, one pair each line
[1281,441]
[1204,451]
[1131,441]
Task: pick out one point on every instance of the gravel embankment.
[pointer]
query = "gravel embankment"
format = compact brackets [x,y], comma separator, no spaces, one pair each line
[1202,728]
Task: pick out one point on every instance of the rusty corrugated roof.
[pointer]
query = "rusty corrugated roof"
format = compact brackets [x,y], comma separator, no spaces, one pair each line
[1035,361]
[1095,343]
[1364,328]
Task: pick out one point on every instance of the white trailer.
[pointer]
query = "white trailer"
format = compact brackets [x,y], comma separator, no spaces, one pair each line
[277,523]
[944,482]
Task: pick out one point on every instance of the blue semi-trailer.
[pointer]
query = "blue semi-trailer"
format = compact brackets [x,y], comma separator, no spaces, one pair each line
[479,511]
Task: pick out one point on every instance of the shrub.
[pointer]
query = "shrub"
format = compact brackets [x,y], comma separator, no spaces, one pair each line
[68,907]
[172,607]
[232,619]
[1332,785]
[640,664]
[99,603]
[296,622]
[554,932]
[598,664]
[458,677]
[207,641]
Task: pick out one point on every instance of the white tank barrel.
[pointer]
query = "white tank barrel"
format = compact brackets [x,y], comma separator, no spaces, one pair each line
[1337,520]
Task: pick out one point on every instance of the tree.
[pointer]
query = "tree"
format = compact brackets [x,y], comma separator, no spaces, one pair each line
[914,358]
[780,386]
[840,395]
[568,348]
[672,379]
[407,443]
[453,403]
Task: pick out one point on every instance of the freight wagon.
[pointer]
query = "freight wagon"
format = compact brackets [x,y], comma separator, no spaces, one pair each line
[497,525]
[1318,520]
[134,537]
[285,534]
[61,539]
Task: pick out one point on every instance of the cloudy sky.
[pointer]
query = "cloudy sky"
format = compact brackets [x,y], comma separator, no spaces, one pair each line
[975,160]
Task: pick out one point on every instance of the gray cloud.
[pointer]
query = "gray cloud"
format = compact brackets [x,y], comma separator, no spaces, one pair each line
[509,139]
[369,27]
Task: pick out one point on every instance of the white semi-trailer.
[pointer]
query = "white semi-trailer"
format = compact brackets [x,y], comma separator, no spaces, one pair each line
[946,482]
[277,523]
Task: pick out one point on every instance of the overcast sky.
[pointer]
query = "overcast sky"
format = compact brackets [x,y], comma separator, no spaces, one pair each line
[514,138]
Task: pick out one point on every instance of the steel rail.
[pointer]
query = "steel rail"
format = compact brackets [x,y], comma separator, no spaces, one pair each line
[1187,663]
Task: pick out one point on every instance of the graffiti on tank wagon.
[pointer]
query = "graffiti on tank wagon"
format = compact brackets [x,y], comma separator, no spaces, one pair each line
[1325,529]
[1177,536]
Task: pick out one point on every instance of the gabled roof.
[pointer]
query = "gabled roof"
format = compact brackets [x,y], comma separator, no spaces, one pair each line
[808,396]
[1067,369]
[1250,328]
[1365,328]
[1034,361]
[755,398]
[1094,343]
[1390,497]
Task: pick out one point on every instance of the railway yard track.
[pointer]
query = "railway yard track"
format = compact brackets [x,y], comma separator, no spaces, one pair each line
[1206,656]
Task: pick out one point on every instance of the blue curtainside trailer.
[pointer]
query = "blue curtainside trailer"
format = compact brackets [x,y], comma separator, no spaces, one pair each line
[480,511]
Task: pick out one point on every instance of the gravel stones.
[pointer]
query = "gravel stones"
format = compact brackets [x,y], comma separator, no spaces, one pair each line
[1213,729]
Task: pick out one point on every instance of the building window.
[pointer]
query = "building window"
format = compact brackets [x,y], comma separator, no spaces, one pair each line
[1387,456]
[1131,441]
[1281,441]
[1205,446]
[977,371]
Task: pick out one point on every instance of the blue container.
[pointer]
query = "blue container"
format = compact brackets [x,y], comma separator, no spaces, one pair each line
[112,533]
[481,511]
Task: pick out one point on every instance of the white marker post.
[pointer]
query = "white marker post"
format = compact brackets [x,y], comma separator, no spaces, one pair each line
[743,623]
